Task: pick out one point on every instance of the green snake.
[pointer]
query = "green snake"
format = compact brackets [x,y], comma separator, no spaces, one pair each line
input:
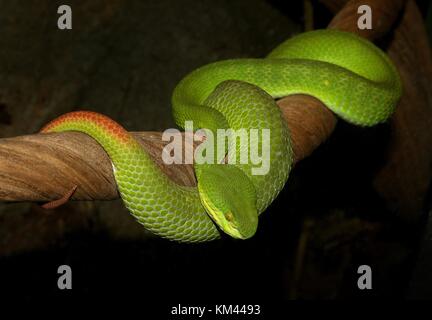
[351,76]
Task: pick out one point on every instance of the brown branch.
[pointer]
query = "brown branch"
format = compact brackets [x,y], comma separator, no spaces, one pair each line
[384,13]
[44,167]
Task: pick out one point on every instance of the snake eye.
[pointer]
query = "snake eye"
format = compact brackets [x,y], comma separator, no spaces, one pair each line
[229,216]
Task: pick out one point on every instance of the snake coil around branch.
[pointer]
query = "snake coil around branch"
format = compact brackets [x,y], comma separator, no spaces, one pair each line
[315,73]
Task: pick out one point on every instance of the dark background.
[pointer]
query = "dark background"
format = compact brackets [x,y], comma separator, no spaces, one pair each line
[123,59]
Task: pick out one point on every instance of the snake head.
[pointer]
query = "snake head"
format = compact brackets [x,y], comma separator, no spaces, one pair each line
[229,198]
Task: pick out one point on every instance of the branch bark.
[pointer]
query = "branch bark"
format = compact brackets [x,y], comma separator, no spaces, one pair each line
[44,167]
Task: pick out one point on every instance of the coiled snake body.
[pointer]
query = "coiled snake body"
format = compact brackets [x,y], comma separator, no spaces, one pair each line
[351,76]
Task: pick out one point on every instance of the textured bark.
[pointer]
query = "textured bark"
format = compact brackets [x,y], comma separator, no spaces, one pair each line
[45,167]
[404,179]
[384,15]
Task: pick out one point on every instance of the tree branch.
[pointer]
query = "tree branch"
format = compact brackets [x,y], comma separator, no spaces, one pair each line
[44,167]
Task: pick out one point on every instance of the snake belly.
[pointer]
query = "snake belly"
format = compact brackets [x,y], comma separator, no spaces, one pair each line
[350,75]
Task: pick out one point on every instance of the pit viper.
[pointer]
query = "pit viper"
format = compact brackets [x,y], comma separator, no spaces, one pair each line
[350,75]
